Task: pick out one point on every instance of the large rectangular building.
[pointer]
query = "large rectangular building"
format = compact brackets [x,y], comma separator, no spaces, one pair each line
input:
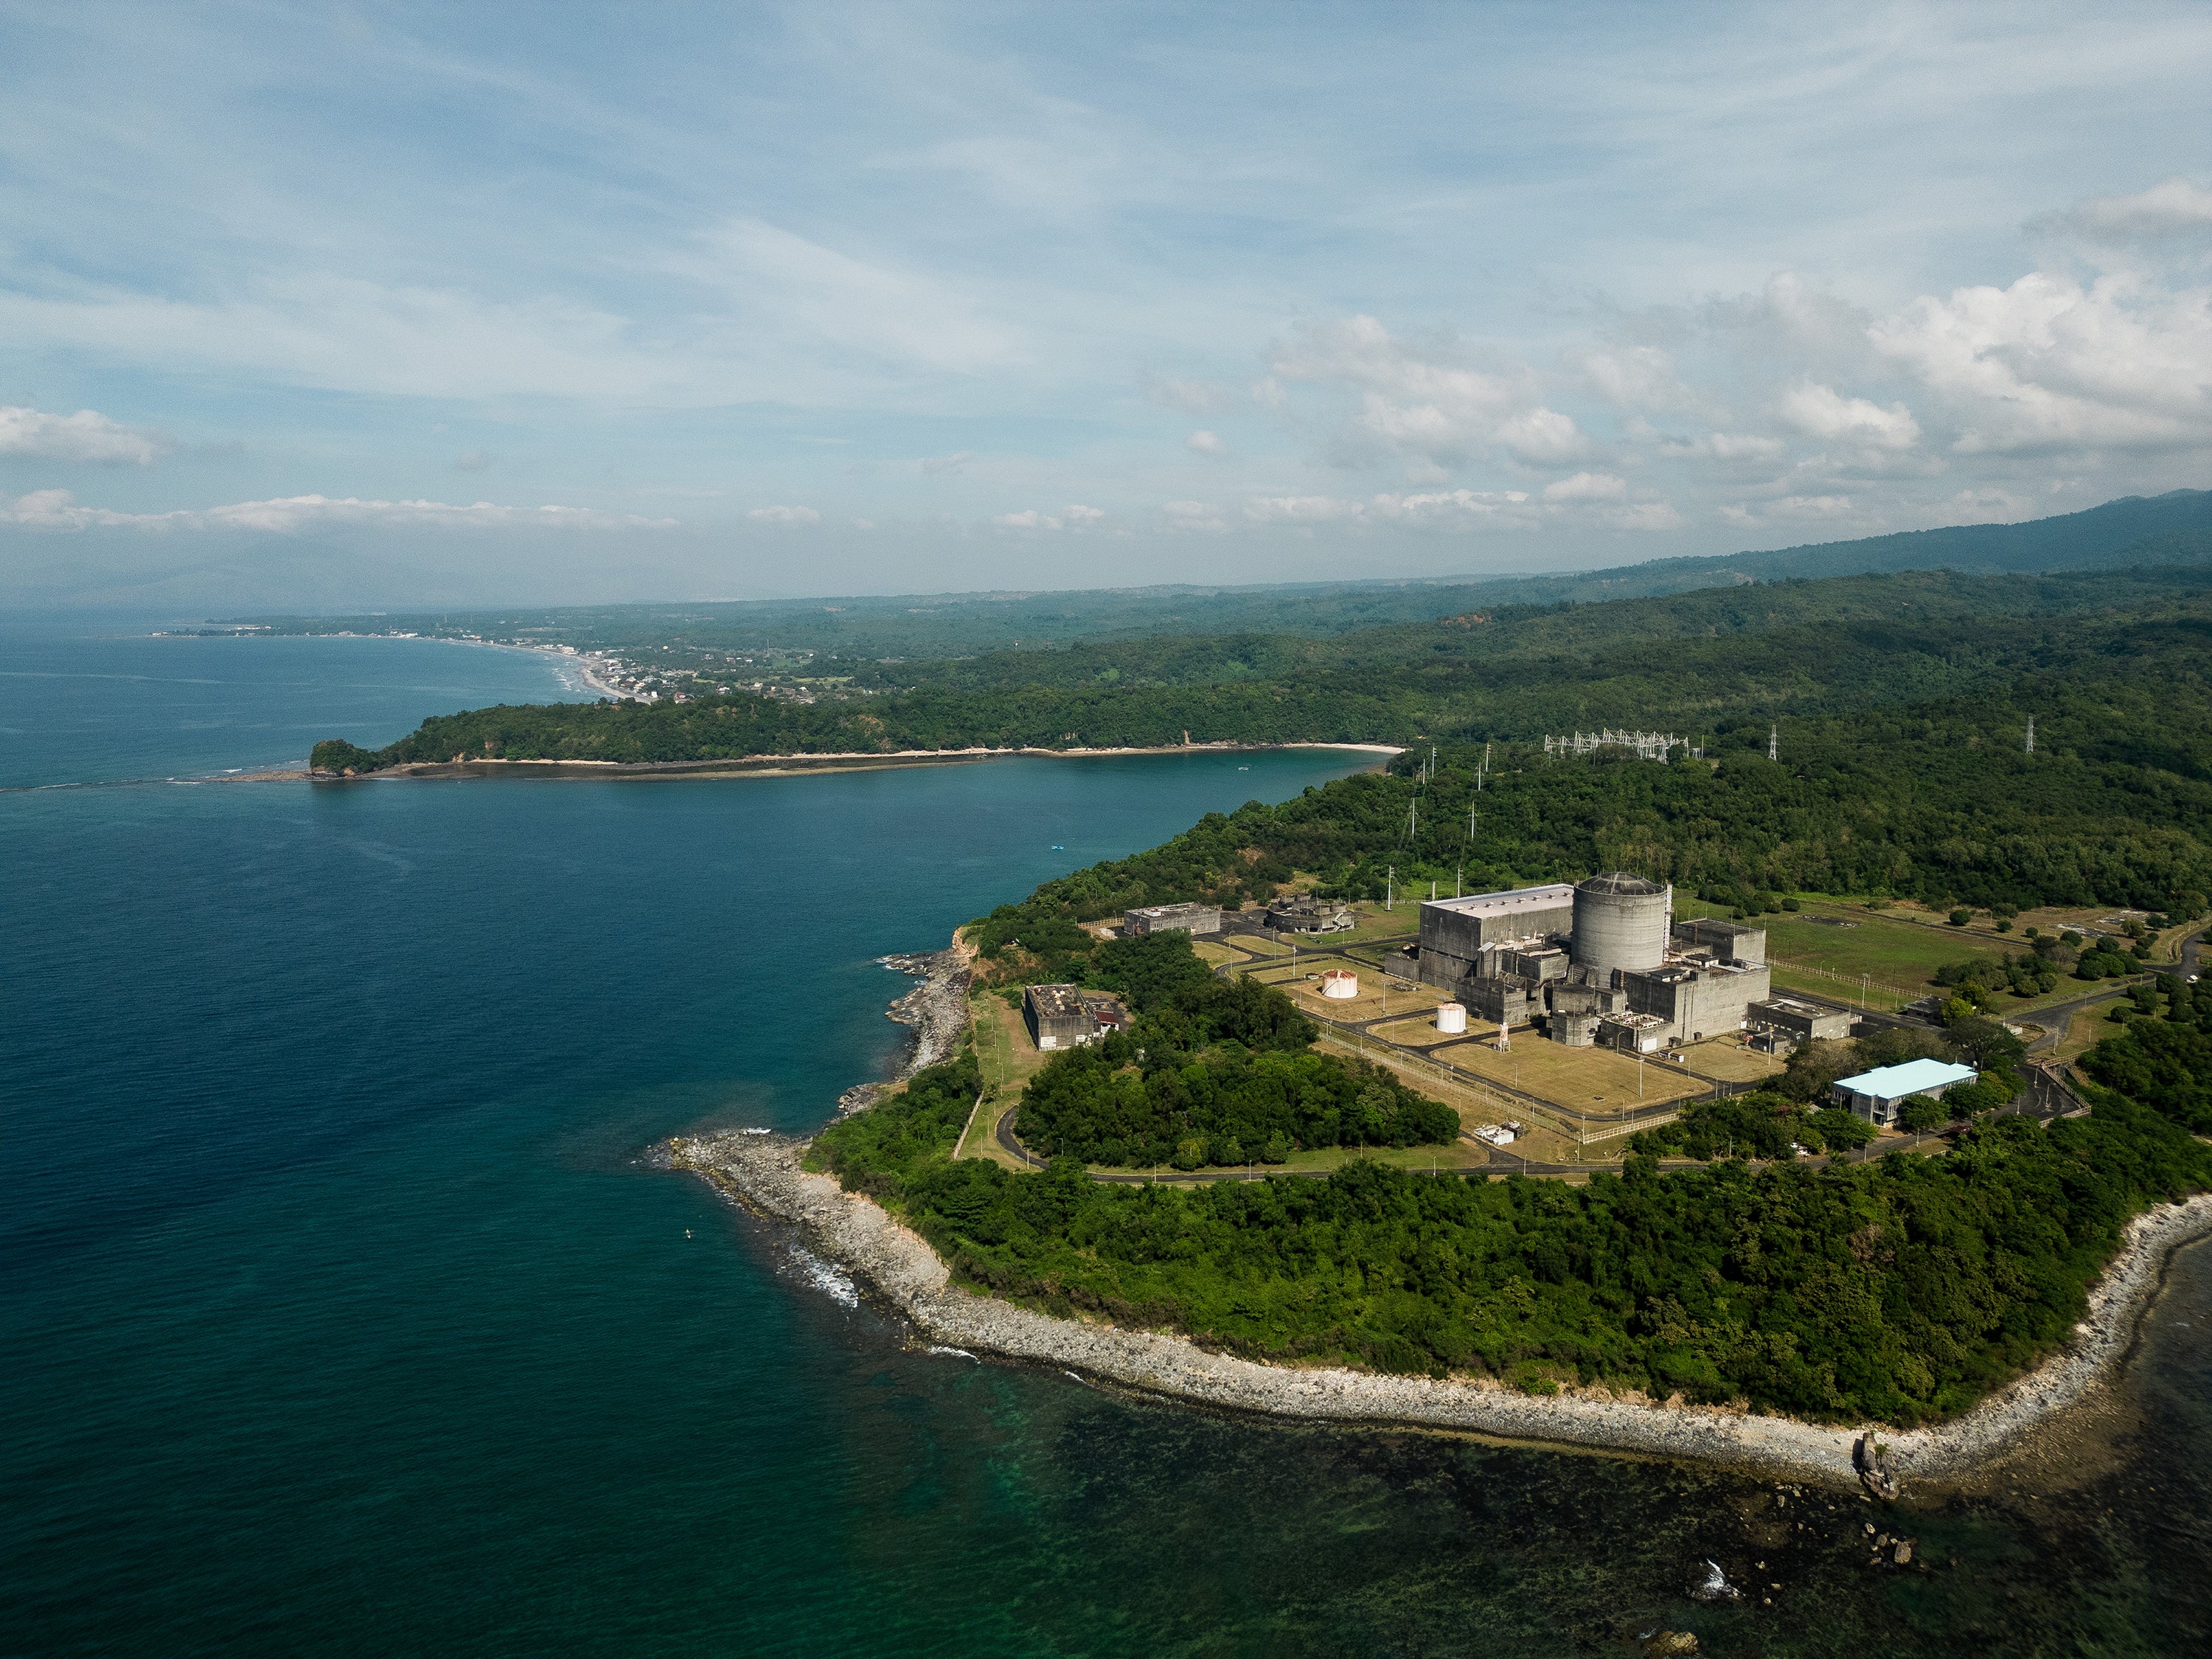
[1455,933]
[1057,1016]
[1875,1095]
[1167,918]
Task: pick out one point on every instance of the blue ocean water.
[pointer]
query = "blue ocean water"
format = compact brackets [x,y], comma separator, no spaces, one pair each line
[341,1314]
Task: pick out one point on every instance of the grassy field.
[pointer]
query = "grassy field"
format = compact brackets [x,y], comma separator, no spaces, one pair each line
[1575,1079]
[1420,1031]
[2087,1028]
[1731,1062]
[1008,1060]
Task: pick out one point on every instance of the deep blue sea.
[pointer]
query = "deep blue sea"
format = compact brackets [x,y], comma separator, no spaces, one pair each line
[340,1314]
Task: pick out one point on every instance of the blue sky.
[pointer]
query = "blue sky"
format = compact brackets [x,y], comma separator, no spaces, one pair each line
[367,304]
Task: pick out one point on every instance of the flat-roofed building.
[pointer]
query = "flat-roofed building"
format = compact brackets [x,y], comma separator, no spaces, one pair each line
[1457,932]
[1171,918]
[1635,1034]
[1058,1017]
[1875,1095]
[1803,1021]
[1730,941]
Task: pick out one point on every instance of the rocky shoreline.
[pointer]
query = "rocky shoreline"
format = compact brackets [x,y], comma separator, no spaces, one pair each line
[764,1173]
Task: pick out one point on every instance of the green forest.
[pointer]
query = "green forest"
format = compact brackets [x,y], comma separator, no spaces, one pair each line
[1901,1289]
[1213,1072]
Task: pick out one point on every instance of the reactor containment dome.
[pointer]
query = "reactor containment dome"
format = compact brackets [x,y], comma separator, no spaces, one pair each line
[1621,922]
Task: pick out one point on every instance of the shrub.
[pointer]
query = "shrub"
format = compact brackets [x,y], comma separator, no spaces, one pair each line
[1960,918]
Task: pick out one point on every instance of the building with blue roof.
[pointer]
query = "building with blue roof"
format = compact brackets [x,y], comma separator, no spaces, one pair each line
[1874,1095]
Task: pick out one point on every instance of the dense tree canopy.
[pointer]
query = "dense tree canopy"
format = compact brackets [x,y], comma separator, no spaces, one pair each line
[1902,1288]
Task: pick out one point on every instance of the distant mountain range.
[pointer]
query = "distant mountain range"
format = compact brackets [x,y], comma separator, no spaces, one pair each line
[2173,528]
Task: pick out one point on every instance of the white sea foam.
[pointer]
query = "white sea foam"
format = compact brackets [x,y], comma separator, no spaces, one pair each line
[826,1277]
[961,1353]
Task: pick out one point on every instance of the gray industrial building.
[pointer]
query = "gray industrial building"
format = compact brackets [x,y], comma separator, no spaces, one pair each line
[1601,962]
[1067,1016]
[1301,913]
[1798,1022]
[1169,918]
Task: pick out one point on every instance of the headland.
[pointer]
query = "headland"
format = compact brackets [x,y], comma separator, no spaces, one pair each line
[766,1174]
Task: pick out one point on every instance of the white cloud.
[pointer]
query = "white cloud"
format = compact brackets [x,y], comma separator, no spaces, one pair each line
[58,509]
[952,462]
[1788,508]
[1424,398]
[1301,509]
[2176,207]
[2048,365]
[471,460]
[1824,412]
[87,435]
[1728,448]
[784,515]
[1205,443]
[1637,377]
[1588,487]
[1074,516]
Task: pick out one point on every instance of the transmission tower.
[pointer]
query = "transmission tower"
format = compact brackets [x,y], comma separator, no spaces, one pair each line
[1774,742]
[2031,734]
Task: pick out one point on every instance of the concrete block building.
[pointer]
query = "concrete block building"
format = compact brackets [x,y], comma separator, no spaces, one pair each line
[1797,1022]
[1192,919]
[1600,961]
[1067,1016]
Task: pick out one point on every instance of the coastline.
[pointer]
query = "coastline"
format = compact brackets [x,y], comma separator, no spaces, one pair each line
[774,766]
[763,1174]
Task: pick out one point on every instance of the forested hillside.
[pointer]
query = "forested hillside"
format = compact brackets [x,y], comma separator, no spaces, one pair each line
[1690,663]
[1900,1290]
[853,631]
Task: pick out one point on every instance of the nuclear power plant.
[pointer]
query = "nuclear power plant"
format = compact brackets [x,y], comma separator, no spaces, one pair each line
[1600,962]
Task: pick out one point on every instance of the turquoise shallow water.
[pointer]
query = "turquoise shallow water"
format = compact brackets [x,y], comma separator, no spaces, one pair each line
[342,1316]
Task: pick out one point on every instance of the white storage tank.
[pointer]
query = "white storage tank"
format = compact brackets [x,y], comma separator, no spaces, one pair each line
[1451,1019]
[1622,921]
[1341,983]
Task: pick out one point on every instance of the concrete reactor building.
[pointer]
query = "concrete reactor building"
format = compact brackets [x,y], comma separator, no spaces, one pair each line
[1601,962]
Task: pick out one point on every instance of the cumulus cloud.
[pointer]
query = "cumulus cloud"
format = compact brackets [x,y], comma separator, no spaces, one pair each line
[2047,364]
[1824,412]
[952,462]
[1077,514]
[1422,397]
[87,435]
[1635,378]
[784,515]
[58,509]
[1205,443]
[1588,487]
